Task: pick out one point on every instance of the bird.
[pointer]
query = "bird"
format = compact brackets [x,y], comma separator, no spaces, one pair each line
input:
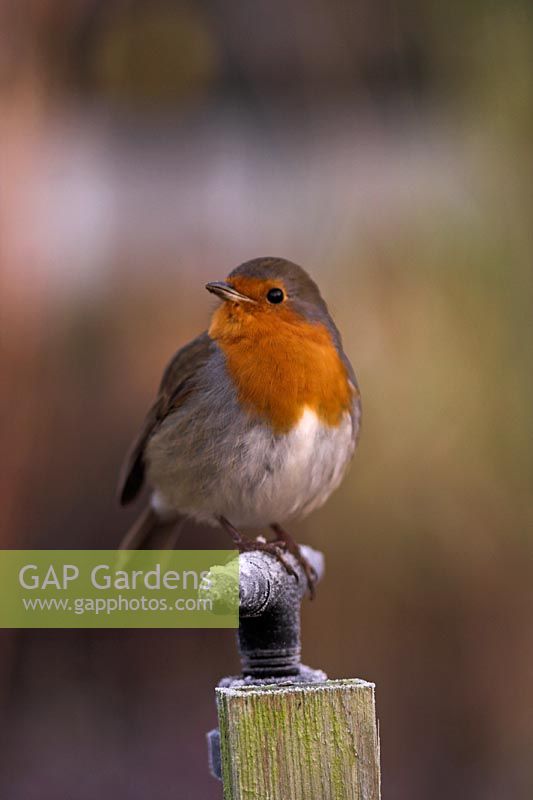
[256,420]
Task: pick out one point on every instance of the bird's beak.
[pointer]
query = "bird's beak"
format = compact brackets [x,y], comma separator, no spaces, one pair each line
[227,292]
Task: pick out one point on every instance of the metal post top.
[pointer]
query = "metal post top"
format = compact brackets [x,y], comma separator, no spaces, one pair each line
[264,583]
[269,611]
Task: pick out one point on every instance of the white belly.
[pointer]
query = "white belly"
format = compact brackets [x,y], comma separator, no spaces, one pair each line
[309,466]
[260,478]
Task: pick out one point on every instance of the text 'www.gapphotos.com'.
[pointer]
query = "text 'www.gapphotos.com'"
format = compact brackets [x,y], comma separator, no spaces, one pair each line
[113,605]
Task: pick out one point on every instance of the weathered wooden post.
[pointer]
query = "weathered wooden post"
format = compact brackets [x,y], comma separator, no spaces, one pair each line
[286,732]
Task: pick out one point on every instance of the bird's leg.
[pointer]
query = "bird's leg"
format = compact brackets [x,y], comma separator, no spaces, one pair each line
[284,538]
[245,545]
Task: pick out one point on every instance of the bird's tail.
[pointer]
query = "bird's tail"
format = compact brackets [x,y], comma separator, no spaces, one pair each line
[149,532]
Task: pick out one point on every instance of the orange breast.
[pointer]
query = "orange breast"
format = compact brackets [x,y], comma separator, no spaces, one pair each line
[282,364]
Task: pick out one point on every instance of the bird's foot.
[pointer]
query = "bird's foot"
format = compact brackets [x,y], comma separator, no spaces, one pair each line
[246,545]
[290,546]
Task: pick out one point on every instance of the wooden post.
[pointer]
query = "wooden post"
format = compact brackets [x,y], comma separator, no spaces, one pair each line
[315,741]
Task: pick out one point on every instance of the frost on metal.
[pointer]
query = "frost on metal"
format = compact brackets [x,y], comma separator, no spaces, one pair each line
[269,611]
[265,583]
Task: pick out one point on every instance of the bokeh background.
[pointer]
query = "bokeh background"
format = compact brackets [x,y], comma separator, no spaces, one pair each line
[146,147]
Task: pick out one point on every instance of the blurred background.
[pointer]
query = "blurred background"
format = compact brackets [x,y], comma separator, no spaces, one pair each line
[147,147]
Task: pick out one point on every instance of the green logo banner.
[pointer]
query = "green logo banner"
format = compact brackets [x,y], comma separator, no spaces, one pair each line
[119,589]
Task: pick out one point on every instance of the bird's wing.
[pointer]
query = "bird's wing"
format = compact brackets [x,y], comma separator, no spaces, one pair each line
[356,410]
[174,388]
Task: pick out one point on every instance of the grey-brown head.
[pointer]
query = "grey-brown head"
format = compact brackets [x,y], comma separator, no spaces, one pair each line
[272,284]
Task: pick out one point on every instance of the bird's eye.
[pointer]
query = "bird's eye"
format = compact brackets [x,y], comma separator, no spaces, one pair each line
[275,296]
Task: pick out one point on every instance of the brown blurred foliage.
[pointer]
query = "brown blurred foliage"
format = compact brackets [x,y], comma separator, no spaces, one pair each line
[149,147]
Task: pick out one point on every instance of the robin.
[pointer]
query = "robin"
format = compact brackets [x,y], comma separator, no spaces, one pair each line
[255,421]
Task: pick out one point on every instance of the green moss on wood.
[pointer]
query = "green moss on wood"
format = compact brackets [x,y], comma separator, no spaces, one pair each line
[300,742]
